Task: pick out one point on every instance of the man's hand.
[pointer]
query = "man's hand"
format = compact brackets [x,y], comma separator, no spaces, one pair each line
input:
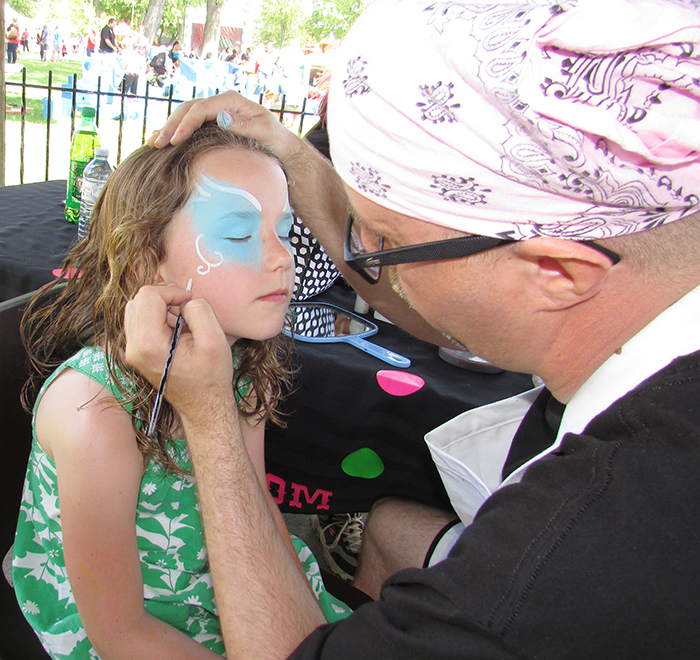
[202,370]
[242,117]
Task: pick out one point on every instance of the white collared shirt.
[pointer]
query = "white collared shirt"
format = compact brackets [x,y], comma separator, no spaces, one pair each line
[470,450]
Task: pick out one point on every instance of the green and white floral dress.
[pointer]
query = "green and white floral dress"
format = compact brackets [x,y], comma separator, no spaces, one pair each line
[177,582]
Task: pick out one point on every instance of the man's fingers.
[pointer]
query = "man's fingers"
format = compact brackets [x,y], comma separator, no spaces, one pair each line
[147,329]
[233,112]
[189,116]
[162,137]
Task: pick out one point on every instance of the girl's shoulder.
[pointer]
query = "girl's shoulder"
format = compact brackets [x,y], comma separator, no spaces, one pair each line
[92,361]
[79,397]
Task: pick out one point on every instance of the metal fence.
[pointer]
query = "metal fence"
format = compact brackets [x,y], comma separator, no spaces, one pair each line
[297,117]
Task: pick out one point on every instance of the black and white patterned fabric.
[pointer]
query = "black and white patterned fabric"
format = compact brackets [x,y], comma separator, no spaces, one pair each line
[522,118]
[314,271]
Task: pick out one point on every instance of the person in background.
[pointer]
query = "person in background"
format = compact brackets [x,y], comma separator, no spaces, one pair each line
[25,41]
[12,38]
[108,41]
[527,182]
[174,54]
[91,40]
[43,42]
[133,64]
[265,66]
[56,44]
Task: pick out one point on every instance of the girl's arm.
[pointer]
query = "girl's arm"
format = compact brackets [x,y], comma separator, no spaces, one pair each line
[100,468]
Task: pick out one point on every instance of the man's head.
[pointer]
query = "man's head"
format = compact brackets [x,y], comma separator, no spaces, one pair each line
[112,22]
[522,120]
[528,122]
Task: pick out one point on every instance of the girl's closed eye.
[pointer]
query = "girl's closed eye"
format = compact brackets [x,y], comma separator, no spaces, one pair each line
[285,226]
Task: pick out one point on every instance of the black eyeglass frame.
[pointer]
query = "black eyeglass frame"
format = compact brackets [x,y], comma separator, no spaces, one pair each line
[451,248]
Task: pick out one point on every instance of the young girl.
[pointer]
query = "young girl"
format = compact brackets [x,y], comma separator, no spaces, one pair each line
[109,553]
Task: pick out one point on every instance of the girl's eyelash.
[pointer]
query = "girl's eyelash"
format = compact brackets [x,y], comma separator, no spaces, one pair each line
[238,240]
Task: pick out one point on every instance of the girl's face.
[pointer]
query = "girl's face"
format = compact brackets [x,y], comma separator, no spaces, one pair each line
[231,239]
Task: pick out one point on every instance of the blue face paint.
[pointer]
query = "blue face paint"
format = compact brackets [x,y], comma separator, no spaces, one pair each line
[226,221]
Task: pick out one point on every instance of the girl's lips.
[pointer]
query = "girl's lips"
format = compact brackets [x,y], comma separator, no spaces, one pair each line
[275,296]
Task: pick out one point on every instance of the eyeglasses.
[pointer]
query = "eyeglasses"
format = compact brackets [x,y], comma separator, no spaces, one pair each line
[369,264]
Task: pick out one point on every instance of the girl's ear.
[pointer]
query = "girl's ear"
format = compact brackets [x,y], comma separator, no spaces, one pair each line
[564,272]
[144,271]
[161,279]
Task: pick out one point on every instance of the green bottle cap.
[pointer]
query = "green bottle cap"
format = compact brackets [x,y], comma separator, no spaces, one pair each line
[88,111]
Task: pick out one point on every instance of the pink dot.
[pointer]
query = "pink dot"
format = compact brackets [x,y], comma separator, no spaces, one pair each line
[399,383]
[56,272]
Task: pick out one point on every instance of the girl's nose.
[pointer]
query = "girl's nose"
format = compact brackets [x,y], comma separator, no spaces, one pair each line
[278,252]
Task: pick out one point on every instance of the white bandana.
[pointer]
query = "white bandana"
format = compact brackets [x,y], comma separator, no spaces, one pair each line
[522,119]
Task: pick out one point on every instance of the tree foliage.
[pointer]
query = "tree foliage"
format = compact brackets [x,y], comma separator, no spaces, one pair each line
[332,17]
[280,21]
[24,7]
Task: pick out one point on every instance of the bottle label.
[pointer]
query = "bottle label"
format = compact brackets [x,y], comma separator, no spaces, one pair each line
[91,191]
[76,177]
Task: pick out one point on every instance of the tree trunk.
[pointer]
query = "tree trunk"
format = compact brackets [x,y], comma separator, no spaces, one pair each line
[153,18]
[212,28]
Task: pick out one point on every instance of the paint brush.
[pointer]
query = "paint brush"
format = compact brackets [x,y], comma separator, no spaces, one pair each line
[166,371]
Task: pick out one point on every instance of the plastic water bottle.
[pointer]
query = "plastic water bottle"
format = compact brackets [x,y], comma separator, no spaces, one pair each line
[85,141]
[95,174]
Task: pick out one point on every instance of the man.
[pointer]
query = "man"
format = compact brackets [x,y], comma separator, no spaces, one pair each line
[108,41]
[556,155]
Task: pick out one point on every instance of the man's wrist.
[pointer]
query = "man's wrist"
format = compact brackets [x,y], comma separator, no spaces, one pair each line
[219,409]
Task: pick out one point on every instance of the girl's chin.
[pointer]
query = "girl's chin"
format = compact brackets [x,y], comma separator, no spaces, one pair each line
[233,340]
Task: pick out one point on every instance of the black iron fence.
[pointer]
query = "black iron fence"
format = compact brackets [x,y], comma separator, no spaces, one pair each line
[298,118]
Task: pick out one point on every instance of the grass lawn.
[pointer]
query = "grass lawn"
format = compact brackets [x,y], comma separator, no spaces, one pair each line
[38,71]
[37,74]
[35,109]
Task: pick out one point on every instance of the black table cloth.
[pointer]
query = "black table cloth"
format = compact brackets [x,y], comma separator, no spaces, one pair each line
[34,235]
[348,442]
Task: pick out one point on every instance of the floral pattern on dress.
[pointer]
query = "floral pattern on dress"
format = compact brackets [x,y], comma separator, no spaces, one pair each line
[177,582]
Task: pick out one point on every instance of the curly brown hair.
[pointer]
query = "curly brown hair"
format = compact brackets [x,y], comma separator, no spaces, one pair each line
[122,253]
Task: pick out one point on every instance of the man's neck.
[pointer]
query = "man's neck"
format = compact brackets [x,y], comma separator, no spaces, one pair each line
[593,335]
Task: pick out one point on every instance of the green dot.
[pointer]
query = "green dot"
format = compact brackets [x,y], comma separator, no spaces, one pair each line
[363,463]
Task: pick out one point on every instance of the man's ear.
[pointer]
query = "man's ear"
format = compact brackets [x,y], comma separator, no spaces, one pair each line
[565,272]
